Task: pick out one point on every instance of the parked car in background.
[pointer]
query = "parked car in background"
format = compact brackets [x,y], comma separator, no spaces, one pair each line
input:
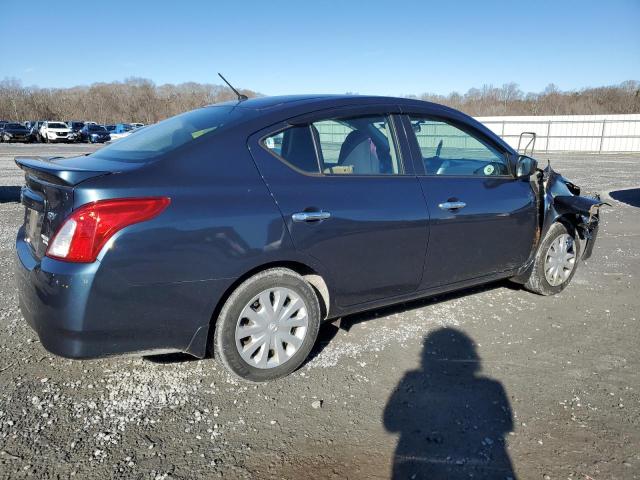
[56,132]
[136,125]
[75,127]
[30,124]
[14,132]
[200,234]
[94,134]
[34,130]
[119,130]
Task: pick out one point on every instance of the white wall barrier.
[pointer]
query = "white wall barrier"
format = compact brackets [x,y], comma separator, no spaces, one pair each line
[571,133]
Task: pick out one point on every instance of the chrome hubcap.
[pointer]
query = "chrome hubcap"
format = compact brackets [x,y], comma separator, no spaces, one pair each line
[271,328]
[560,260]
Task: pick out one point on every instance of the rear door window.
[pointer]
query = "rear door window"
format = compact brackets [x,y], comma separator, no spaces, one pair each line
[448,150]
[362,145]
[296,146]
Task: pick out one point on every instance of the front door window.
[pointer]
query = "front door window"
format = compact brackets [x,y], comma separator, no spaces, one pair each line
[450,151]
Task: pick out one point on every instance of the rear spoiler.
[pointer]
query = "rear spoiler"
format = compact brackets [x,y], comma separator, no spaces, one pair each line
[53,172]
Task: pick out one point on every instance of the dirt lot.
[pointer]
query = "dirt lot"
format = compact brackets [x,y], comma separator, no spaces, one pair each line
[490,380]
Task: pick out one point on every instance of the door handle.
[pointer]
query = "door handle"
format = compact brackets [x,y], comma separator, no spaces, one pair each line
[452,205]
[310,216]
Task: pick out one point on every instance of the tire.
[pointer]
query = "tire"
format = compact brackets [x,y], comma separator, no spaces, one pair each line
[227,350]
[538,281]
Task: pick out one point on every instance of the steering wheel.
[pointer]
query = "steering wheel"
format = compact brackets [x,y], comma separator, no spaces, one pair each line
[488,170]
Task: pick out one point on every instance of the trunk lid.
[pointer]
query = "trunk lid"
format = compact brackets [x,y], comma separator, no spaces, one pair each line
[48,194]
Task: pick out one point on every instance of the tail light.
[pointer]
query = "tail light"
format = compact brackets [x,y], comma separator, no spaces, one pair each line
[89,228]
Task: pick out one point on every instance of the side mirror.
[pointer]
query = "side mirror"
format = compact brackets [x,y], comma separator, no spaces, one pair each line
[525,166]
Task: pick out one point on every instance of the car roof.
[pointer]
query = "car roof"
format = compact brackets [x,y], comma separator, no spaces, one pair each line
[310,102]
[279,102]
[259,103]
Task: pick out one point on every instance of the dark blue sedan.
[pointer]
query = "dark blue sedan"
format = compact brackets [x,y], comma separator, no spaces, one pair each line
[92,133]
[236,229]
[14,132]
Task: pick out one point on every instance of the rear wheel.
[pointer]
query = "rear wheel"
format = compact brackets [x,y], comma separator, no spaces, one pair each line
[268,326]
[556,261]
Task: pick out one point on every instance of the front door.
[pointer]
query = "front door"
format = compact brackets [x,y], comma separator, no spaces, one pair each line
[350,200]
[483,220]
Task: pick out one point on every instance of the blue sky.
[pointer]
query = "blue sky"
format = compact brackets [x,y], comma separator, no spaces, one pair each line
[369,47]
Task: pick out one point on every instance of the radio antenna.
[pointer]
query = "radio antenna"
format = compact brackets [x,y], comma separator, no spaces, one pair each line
[241,96]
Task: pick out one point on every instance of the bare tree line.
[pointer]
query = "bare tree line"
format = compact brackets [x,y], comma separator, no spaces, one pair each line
[134,100]
[140,100]
[510,100]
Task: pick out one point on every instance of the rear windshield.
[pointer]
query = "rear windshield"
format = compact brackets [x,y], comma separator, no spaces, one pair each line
[14,125]
[148,143]
[97,128]
[57,125]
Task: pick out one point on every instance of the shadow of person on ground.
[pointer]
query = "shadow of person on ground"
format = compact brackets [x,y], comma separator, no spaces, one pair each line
[452,421]
[9,194]
[630,196]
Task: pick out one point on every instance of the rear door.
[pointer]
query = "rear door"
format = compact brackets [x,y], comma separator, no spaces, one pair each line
[350,199]
[483,220]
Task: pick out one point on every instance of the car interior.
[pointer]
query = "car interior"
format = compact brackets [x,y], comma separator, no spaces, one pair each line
[362,146]
[448,150]
[358,146]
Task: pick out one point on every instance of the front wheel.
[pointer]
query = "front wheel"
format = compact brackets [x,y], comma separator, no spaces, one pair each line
[556,261]
[268,326]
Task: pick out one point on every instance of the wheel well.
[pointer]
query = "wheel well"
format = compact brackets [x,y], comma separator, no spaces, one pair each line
[309,274]
[572,222]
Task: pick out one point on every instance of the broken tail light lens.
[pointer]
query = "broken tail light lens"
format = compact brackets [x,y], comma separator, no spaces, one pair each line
[89,228]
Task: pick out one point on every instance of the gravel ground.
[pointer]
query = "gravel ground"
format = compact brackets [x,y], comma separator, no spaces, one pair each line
[537,388]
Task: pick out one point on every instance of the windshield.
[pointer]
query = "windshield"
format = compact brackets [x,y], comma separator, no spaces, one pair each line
[57,125]
[150,142]
[13,125]
[97,128]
